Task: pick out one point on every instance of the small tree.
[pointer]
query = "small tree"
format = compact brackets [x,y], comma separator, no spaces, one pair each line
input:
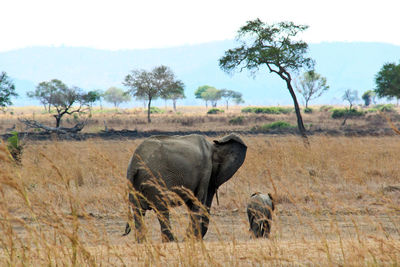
[116,96]
[387,81]
[7,90]
[61,97]
[174,92]
[200,90]
[150,85]
[211,94]
[230,94]
[311,85]
[350,96]
[92,97]
[368,97]
[271,46]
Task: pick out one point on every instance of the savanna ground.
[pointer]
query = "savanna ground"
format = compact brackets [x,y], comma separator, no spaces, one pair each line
[338,201]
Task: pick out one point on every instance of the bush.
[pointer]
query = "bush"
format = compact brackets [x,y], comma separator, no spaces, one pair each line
[156,110]
[325,108]
[14,147]
[215,111]
[339,113]
[372,110]
[308,110]
[267,110]
[236,120]
[385,107]
[277,125]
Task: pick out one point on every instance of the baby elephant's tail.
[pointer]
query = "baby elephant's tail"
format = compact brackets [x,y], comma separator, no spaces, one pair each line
[127,229]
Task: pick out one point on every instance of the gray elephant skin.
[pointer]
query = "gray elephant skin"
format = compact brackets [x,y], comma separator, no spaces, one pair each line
[186,166]
[259,212]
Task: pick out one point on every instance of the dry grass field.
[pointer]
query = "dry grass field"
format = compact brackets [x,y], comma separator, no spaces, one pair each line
[338,203]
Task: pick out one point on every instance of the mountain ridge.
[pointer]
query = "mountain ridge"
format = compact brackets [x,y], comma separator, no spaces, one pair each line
[344,64]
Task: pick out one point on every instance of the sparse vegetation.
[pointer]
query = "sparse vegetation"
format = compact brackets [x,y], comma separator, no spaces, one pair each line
[267,110]
[215,111]
[277,125]
[331,207]
[339,113]
[237,120]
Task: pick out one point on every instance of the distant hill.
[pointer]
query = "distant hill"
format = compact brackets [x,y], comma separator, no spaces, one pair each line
[345,65]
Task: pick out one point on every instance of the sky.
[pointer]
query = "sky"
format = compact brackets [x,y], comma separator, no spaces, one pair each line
[119,24]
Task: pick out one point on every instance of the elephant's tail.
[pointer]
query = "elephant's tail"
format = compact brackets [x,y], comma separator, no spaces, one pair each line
[127,229]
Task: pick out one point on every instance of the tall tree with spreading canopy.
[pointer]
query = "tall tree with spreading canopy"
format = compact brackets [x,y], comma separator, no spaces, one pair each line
[272,46]
[7,90]
[211,94]
[311,85]
[387,81]
[150,84]
[64,99]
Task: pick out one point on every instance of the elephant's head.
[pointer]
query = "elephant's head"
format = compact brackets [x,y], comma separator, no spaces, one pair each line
[229,153]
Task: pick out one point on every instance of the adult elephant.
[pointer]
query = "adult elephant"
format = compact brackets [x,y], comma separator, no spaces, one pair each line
[190,167]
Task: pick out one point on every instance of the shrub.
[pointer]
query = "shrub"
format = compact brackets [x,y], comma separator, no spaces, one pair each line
[325,108]
[267,110]
[385,107]
[14,147]
[215,111]
[338,113]
[308,110]
[372,110]
[156,110]
[236,120]
[277,125]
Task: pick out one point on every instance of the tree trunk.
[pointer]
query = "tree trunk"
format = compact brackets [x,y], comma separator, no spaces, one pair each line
[148,111]
[300,124]
[306,104]
[58,121]
[174,104]
[227,105]
[206,104]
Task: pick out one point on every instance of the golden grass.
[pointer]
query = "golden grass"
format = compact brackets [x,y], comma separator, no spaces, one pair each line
[338,203]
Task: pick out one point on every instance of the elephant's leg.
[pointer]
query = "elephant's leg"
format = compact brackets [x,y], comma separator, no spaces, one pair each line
[138,215]
[199,219]
[165,224]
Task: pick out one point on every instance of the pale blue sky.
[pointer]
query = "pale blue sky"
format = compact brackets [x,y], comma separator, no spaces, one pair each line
[131,24]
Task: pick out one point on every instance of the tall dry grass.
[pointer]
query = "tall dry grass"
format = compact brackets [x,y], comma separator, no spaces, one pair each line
[338,203]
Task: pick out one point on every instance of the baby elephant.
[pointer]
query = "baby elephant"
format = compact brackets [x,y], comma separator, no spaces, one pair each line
[259,211]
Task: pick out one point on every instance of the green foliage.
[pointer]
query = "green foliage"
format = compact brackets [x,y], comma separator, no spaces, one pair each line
[368,96]
[230,94]
[267,110]
[93,96]
[308,110]
[156,110]
[116,96]
[237,120]
[387,81]
[211,94]
[14,147]
[325,108]
[215,111]
[339,113]
[200,90]
[277,125]
[7,90]
[372,110]
[385,107]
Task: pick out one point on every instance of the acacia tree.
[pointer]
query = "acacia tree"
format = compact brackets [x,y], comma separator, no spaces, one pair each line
[7,90]
[211,94]
[200,90]
[350,96]
[387,81]
[61,97]
[230,94]
[149,85]
[174,92]
[311,85]
[271,46]
[116,96]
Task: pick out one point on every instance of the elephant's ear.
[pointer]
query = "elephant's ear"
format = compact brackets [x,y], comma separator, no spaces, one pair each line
[229,138]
